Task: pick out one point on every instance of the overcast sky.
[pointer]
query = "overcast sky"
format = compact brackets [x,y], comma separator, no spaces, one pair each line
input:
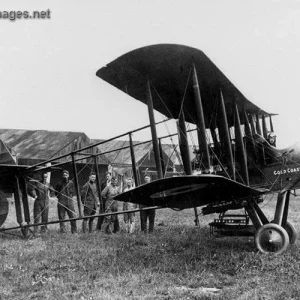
[47,67]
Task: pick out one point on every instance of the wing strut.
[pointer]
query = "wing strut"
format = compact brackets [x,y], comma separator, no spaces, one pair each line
[253,129]
[200,121]
[224,133]
[153,130]
[264,126]
[17,196]
[76,184]
[185,154]
[258,127]
[240,145]
[133,161]
[183,144]
[163,167]
[249,134]
[215,141]
[271,124]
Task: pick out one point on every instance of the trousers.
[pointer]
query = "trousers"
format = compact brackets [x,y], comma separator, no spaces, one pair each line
[147,215]
[63,209]
[40,212]
[111,223]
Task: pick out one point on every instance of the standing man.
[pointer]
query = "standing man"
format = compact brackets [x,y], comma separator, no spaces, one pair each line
[41,191]
[147,214]
[89,198]
[65,205]
[111,223]
[102,207]
[129,217]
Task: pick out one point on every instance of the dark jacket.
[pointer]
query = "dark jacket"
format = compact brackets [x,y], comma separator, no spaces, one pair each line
[65,191]
[40,191]
[89,195]
[103,185]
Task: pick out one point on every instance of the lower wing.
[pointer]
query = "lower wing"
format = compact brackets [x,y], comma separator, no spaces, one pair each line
[188,191]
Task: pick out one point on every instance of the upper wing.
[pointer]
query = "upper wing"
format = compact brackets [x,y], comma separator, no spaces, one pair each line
[168,67]
[188,191]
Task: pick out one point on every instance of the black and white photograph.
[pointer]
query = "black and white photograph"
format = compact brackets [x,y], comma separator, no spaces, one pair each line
[149,149]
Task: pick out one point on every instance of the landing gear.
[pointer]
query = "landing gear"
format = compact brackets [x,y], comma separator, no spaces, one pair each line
[291,231]
[271,238]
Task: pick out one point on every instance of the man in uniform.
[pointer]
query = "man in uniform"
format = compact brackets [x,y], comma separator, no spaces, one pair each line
[111,223]
[89,198]
[102,208]
[147,214]
[41,191]
[129,217]
[64,194]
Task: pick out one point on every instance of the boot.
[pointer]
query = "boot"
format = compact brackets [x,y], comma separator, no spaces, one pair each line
[63,228]
[90,227]
[131,227]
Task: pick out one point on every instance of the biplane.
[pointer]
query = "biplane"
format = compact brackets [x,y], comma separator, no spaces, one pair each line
[237,159]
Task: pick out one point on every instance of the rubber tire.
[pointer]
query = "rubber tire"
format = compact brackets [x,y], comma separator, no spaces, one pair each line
[271,229]
[291,230]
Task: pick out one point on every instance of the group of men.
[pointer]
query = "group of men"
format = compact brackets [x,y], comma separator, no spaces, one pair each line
[41,191]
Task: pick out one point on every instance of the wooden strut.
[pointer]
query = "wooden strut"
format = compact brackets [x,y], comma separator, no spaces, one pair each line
[203,146]
[264,126]
[260,213]
[163,167]
[185,153]
[240,146]
[258,128]
[98,184]
[253,128]
[215,141]
[249,134]
[224,132]
[133,161]
[253,215]
[90,147]
[23,187]
[17,197]
[76,184]
[286,209]
[259,219]
[153,130]
[281,211]
[79,218]
[183,144]
[271,124]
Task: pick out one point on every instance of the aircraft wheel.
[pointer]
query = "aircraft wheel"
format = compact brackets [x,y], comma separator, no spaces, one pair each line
[271,238]
[291,231]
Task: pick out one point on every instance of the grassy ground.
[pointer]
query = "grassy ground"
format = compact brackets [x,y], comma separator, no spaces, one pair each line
[178,261]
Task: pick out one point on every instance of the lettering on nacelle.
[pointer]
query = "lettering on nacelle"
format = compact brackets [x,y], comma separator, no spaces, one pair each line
[289,170]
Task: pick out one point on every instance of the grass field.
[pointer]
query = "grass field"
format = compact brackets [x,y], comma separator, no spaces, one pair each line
[178,261]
